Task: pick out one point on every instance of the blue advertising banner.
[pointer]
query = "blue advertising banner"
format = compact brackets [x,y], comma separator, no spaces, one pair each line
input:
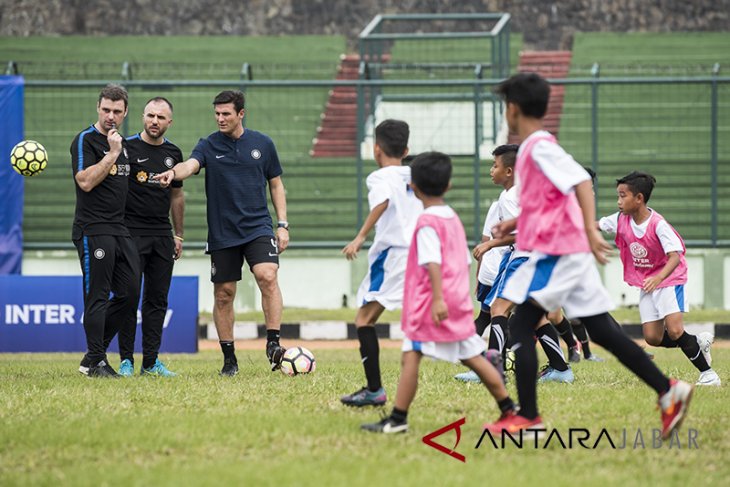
[44,314]
[11,189]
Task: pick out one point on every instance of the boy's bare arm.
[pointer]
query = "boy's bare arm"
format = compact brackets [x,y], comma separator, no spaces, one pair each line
[485,247]
[485,238]
[350,250]
[439,311]
[599,247]
[504,228]
[651,283]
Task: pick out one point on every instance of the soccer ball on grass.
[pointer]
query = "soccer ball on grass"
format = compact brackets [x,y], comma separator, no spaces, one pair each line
[298,360]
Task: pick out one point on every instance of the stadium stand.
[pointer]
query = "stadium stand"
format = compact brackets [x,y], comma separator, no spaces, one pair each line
[337,132]
[549,64]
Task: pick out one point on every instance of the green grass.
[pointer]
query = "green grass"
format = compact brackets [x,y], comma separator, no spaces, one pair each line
[648,53]
[170,57]
[262,428]
[289,115]
[295,315]
[663,129]
[320,192]
[471,50]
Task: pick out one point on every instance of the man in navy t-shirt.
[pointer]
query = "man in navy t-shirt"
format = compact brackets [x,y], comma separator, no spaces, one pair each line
[239,163]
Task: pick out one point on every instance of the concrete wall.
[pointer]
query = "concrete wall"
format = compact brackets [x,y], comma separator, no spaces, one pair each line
[323,279]
[308,278]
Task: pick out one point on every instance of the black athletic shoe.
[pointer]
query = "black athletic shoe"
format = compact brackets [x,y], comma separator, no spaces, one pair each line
[230,367]
[386,425]
[103,369]
[85,365]
[574,354]
[274,352]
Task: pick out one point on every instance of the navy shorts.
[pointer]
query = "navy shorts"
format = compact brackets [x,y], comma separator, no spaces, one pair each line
[482,292]
[226,264]
[507,267]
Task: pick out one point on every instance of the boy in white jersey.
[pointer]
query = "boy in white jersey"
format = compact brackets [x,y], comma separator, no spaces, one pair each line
[557,226]
[394,210]
[438,313]
[652,253]
[502,174]
[487,268]
[492,250]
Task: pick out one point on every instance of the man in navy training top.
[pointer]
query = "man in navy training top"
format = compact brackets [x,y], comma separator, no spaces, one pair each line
[238,165]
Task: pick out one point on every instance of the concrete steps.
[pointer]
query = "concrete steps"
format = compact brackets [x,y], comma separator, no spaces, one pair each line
[337,131]
[548,64]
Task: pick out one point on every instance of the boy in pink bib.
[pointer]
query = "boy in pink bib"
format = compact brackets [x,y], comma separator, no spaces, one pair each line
[557,227]
[438,315]
[652,253]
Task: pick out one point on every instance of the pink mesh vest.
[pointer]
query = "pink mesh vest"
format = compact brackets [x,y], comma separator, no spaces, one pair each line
[416,320]
[550,222]
[644,257]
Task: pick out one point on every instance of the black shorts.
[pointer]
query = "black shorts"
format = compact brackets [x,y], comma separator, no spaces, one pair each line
[226,264]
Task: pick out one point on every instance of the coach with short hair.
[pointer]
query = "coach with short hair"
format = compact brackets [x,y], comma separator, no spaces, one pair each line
[239,164]
[147,218]
[109,261]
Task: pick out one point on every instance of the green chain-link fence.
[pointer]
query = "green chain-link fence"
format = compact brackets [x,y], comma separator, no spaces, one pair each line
[676,128]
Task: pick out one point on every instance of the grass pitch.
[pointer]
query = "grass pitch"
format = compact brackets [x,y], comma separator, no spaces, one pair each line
[662,128]
[296,315]
[262,428]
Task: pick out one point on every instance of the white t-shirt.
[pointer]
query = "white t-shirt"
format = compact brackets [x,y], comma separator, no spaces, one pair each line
[509,208]
[429,244]
[395,226]
[491,219]
[490,261]
[670,241]
[508,204]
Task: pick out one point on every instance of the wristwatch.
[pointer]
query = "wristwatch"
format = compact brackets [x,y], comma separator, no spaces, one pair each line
[283,224]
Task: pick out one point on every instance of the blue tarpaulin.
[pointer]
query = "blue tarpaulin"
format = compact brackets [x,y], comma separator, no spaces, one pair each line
[11,183]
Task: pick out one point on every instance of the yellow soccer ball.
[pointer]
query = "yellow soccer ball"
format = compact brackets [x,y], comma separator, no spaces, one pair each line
[28,158]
